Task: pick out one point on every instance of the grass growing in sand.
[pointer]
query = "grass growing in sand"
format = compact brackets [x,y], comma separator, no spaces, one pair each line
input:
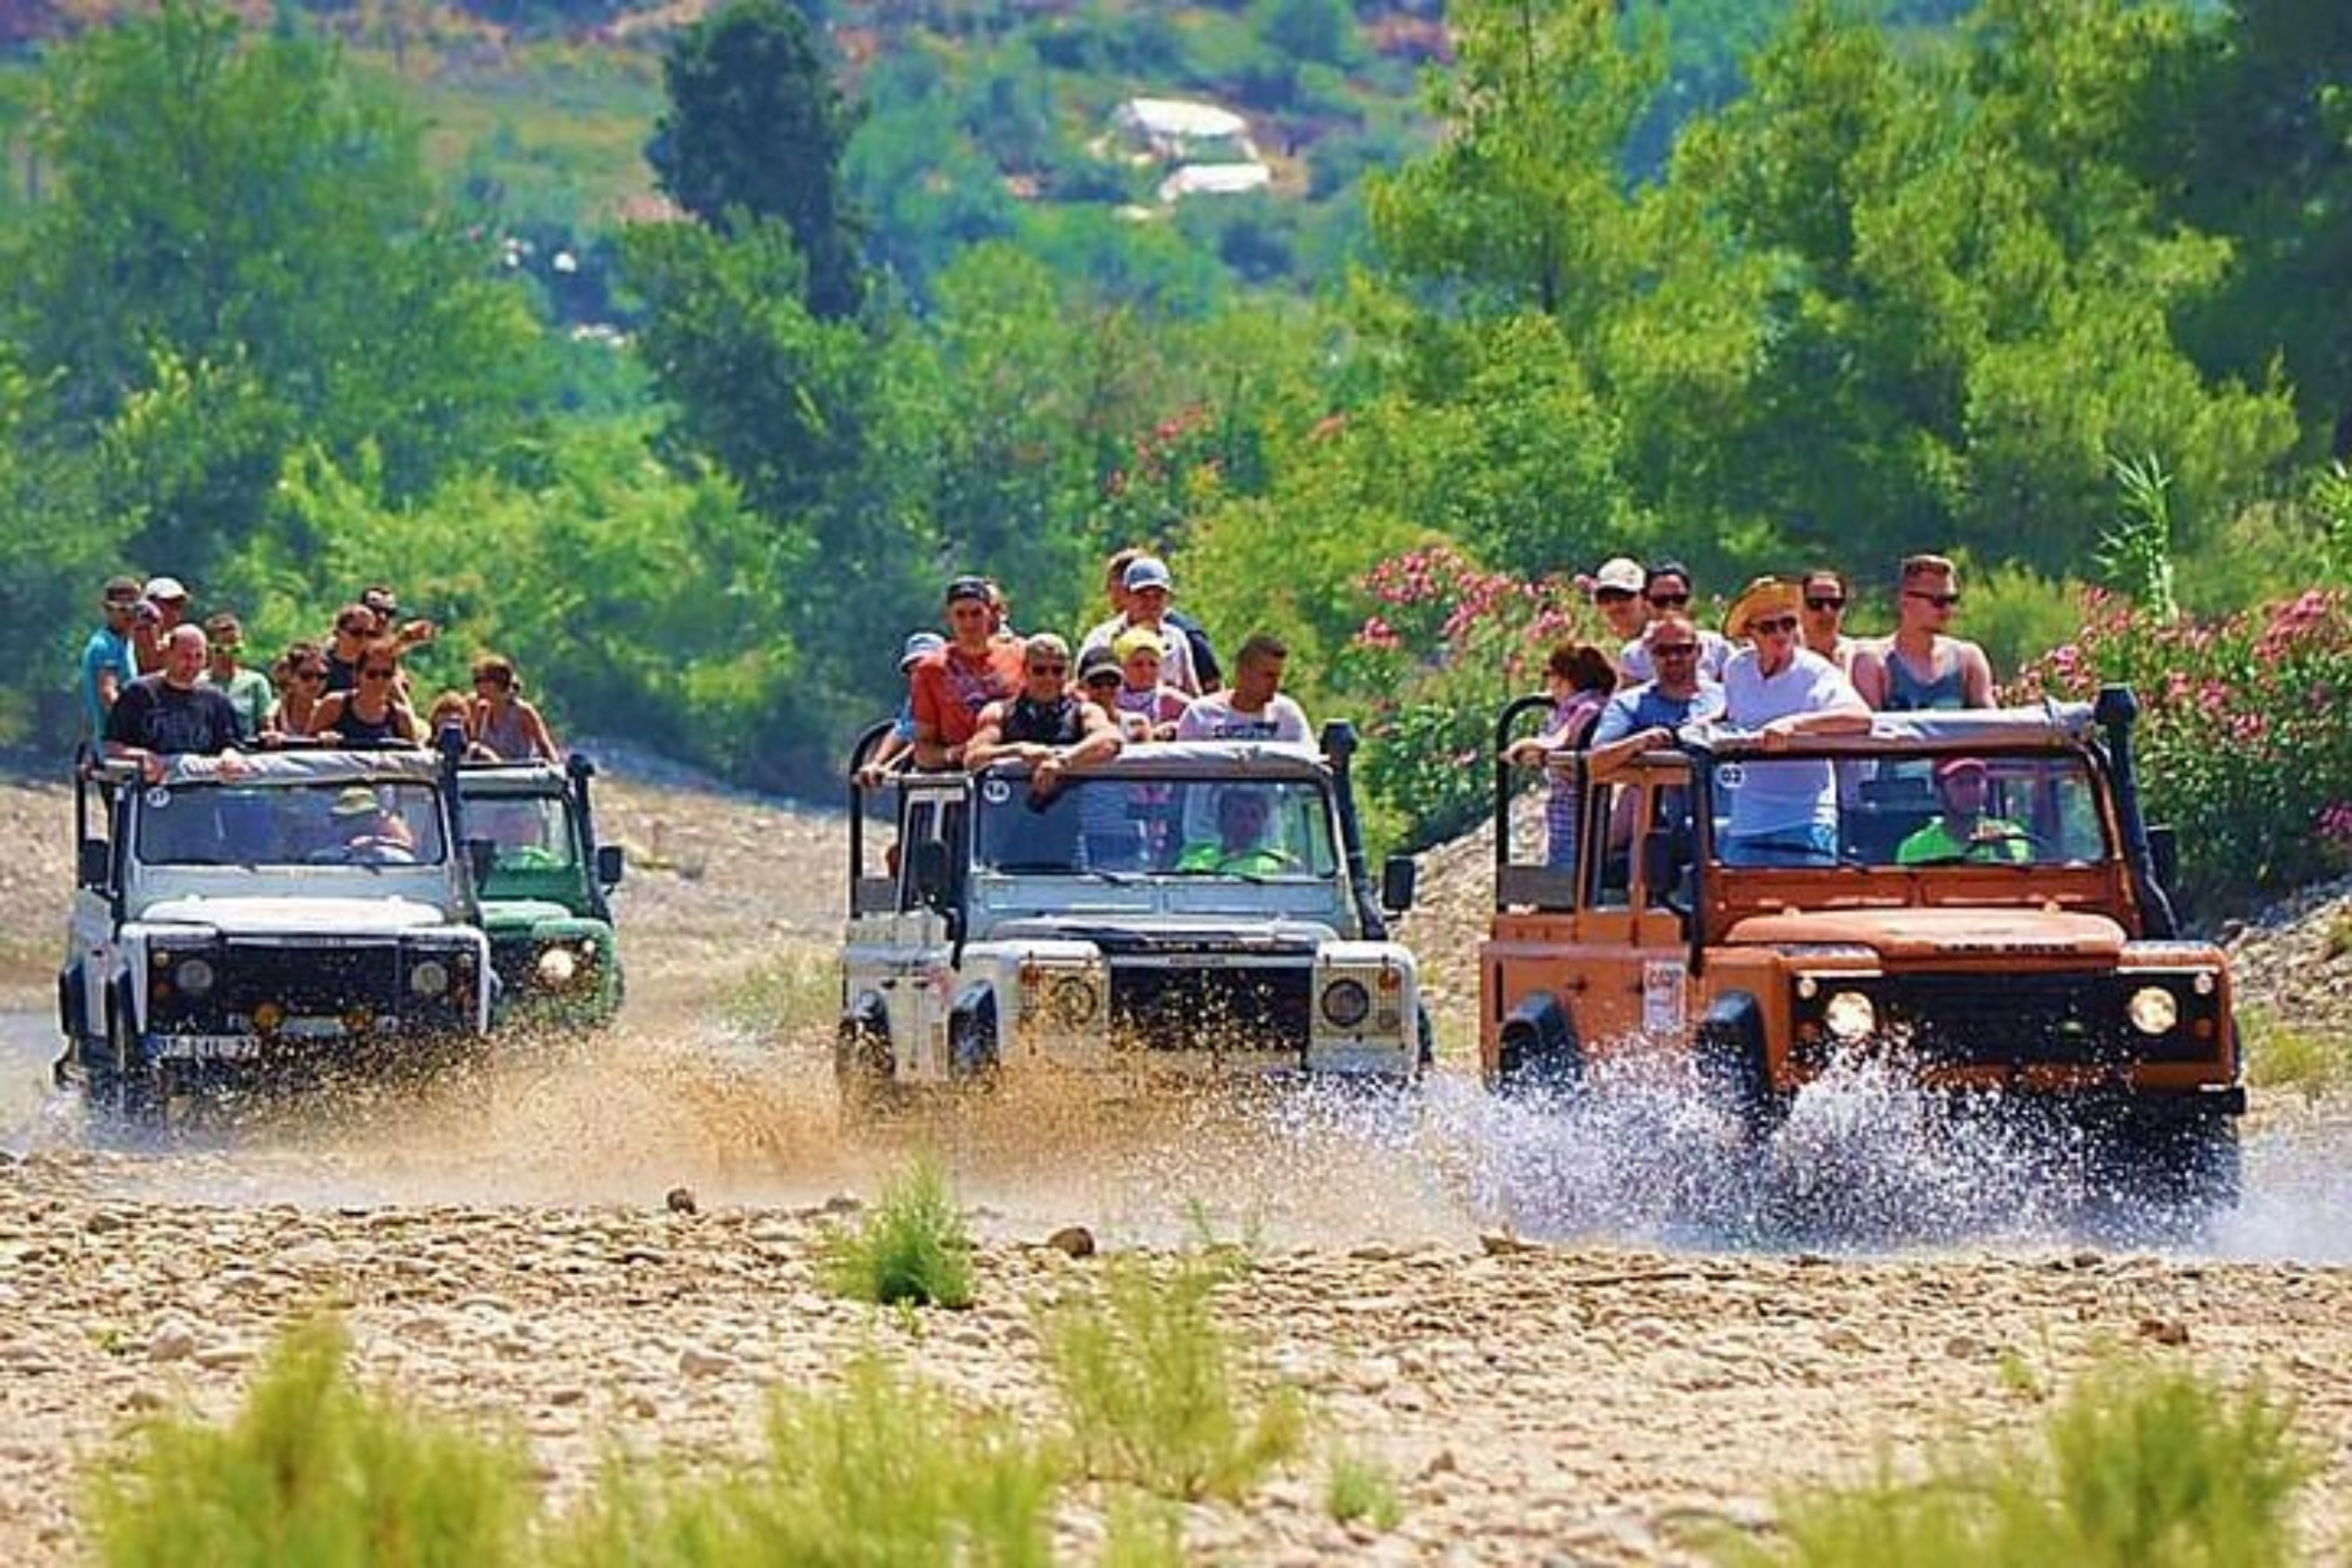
[1154,1392]
[1360,1487]
[2139,1467]
[794,992]
[913,1246]
[885,1472]
[312,1473]
[2282,1056]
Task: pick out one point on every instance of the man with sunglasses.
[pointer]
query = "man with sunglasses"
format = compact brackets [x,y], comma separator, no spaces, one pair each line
[1781,813]
[1920,667]
[1641,718]
[949,688]
[1047,724]
[1666,591]
[108,662]
[1823,618]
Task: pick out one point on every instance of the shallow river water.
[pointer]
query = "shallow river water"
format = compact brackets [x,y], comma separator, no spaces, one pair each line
[627,1117]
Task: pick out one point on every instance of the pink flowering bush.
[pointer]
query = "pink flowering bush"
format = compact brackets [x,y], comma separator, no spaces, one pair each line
[1444,645]
[2245,736]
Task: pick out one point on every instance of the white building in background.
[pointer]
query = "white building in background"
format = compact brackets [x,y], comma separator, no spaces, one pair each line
[1216,180]
[1209,146]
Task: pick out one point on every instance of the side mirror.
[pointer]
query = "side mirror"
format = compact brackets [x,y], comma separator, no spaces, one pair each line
[931,871]
[610,860]
[480,856]
[1399,878]
[94,862]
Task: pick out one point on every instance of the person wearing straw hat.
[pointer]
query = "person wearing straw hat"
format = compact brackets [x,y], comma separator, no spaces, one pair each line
[1782,814]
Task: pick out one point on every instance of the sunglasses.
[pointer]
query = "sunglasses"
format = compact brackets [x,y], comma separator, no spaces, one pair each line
[1669,601]
[1773,623]
[1819,604]
[1674,649]
[375,674]
[1614,596]
[1104,682]
[357,629]
[310,674]
[1939,601]
[1056,669]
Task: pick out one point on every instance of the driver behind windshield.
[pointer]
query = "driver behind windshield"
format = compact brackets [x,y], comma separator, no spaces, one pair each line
[368,829]
[1243,847]
[1964,832]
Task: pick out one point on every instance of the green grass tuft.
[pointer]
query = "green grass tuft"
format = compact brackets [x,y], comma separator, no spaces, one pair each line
[2280,1056]
[1143,1531]
[913,1246]
[1360,1487]
[884,1473]
[2140,1467]
[794,994]
[1149,1382]
[316,1473]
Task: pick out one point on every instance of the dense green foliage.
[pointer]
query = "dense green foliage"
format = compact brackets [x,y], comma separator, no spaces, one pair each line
[1754,285]
[916,1247]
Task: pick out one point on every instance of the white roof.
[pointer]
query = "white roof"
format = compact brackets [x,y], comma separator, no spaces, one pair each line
[307,765]
[1216,180]
[1178,116]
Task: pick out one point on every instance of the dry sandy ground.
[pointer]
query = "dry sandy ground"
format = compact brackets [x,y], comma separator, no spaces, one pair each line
[504,1248]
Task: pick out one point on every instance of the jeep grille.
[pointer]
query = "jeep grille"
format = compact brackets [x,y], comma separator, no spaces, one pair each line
[2019,1020]
[1181,1008]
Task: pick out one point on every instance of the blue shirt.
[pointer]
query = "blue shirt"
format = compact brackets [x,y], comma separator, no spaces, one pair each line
[106,647]
[1644,706]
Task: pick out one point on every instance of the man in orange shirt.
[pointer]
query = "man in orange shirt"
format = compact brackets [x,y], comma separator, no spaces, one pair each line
[950,687]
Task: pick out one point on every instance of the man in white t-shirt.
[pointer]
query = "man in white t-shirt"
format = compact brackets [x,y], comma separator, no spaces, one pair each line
[1253,707]
[1781,813]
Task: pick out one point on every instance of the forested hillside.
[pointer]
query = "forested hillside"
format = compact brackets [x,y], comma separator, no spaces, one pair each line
[682,353]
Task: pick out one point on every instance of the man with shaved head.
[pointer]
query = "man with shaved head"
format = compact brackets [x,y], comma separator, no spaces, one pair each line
[172,711]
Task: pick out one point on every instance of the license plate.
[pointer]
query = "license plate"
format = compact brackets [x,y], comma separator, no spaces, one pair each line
[208,1048]
[312,1029]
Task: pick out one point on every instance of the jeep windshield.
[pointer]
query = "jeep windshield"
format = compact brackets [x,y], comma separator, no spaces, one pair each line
[268,822]
[531,838]
[1906,809]
[1126,828]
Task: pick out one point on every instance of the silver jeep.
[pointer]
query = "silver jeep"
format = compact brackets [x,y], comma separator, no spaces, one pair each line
[1194,908]
[246,912]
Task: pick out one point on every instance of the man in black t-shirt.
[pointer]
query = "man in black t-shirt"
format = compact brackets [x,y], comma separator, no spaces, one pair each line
[170,711]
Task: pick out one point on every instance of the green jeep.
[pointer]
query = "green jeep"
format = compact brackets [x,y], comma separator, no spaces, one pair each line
[544,883]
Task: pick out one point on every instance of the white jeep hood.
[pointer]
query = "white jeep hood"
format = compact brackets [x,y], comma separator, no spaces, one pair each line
[273,916]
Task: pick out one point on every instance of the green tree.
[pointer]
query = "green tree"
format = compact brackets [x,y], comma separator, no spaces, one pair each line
[225,210]
[756,129]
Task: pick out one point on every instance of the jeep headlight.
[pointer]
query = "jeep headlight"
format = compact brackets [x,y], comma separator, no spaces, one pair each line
[193,976]
[2153,1010]
[557,967]
[1072,1002]
[1346,1004]
[429,978]
[1850,1016]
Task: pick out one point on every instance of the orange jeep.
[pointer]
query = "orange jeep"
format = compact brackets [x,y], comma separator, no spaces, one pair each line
[1981,904]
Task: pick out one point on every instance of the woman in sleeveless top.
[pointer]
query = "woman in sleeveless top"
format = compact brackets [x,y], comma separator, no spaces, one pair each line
[1580,679]
[504,725]
[300,674]
[372,713]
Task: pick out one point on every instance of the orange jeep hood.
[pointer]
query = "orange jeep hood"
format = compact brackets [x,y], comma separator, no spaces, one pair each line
[1942,933]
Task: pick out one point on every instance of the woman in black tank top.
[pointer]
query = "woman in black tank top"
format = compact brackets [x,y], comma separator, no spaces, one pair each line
[372,713]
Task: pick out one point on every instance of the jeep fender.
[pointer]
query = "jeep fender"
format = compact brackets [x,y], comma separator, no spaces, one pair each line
[1734,1063]
[972,1046]
[1537,1047]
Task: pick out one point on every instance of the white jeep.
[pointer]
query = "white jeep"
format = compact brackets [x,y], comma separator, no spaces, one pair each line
[247,913]
[1193,909]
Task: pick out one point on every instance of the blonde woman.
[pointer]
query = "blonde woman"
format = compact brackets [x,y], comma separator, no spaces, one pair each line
[503,723]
